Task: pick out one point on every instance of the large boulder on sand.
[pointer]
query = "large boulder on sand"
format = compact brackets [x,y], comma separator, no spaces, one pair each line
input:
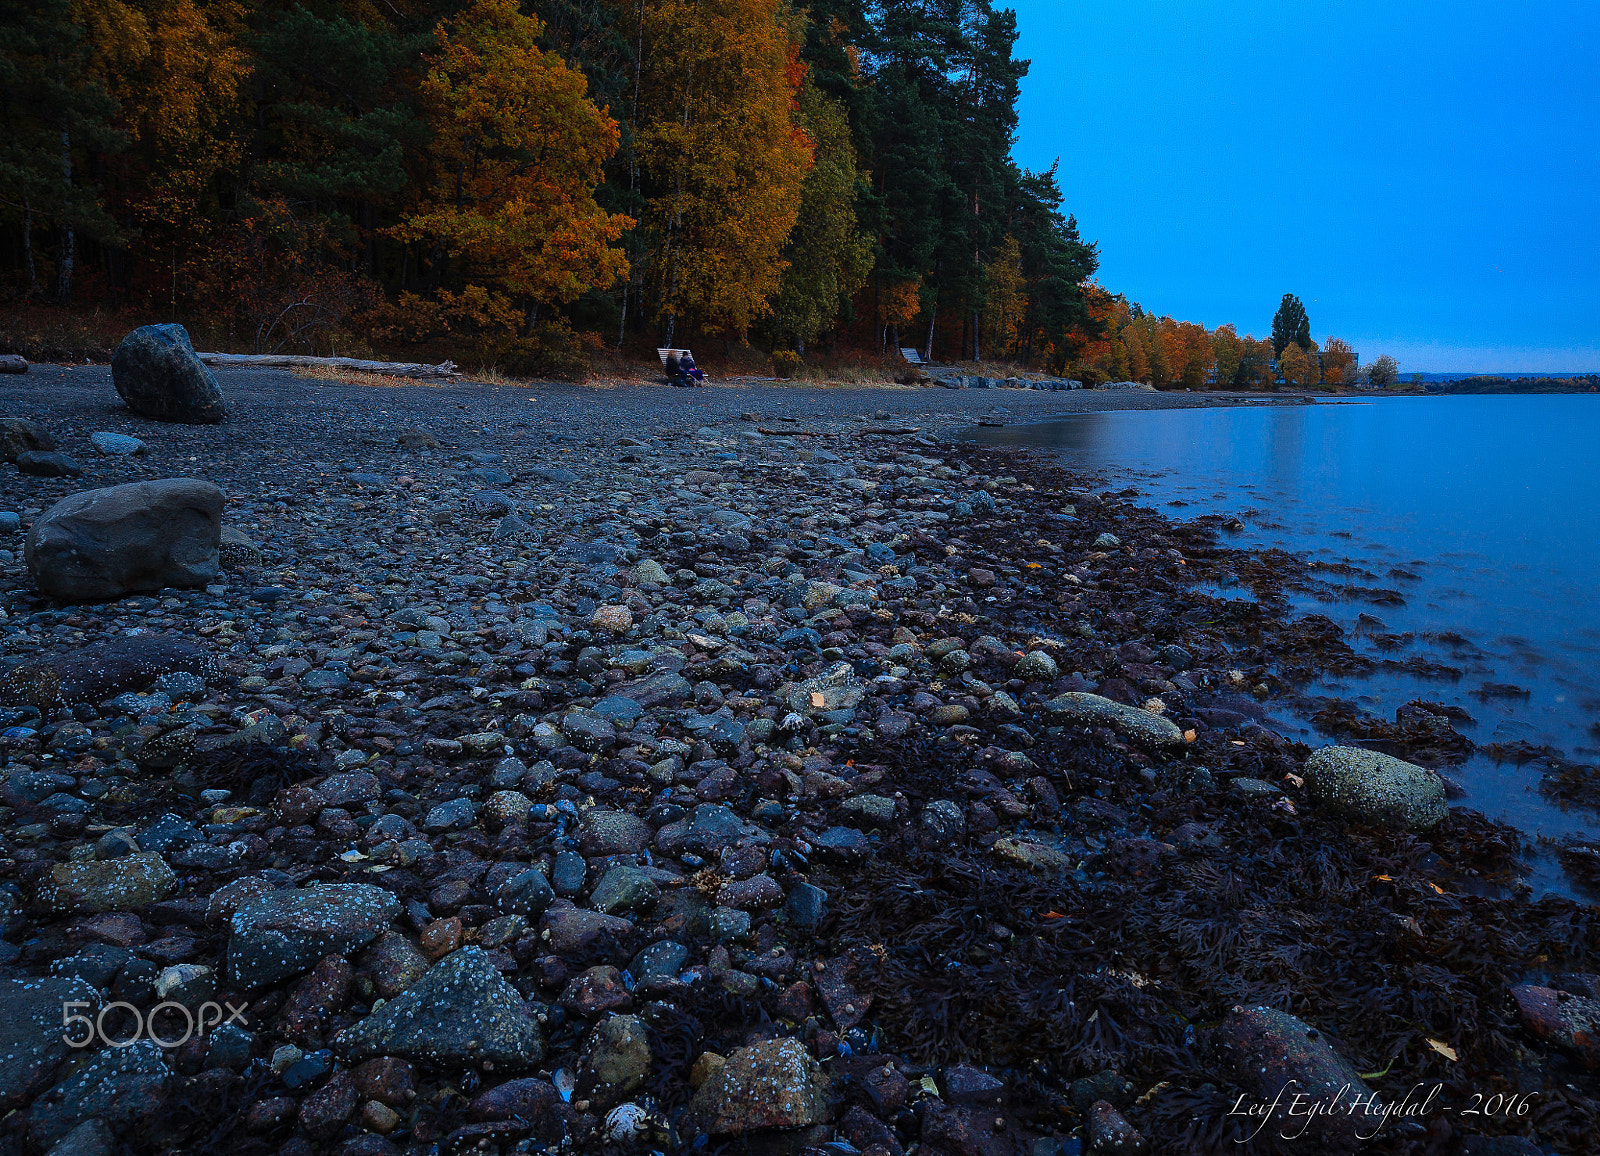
[158,375]
[1372,787]
[143,536]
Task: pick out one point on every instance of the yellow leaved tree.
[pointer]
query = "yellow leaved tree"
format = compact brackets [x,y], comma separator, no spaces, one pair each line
[724,153]
[518,149]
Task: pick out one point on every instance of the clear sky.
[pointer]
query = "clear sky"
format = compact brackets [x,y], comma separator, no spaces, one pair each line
[1424,175]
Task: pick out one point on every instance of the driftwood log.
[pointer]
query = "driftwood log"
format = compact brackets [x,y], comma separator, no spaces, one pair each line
[288,361]
[13,363]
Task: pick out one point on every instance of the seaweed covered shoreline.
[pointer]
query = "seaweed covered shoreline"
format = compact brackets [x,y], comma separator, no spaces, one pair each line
[740,776]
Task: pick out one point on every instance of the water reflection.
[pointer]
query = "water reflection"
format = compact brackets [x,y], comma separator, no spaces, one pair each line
[1478,511]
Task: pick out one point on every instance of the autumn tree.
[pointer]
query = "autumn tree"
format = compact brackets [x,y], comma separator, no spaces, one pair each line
[516,153]
[1227,349]
[1255,364]
[1383,372]
[1005,299]
[1295,366]
[1338,362]
[1290,323]
[724,157]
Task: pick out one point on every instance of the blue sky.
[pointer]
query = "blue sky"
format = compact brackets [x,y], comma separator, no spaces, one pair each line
[1425,176]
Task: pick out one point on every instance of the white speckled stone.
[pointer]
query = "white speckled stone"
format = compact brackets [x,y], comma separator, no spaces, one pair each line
[1376,788]
[461,1012]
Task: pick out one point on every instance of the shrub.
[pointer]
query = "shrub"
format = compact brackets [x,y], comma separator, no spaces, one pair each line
[785,362]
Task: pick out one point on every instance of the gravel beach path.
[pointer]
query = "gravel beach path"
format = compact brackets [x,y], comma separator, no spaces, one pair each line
[559,768]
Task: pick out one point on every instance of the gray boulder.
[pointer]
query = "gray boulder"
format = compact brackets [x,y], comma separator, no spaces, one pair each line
[116,445]
[128,883]
[1376,788]
[157,374]
[281,933]
[461,1012]
[142,536]
[1143,726]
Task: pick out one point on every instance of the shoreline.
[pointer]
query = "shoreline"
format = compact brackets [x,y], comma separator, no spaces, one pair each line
[930,867]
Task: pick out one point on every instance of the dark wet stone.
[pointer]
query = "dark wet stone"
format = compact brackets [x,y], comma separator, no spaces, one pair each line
[461,1013]
[603,833]
[19,435]
[31,1030]
[48,464]
[155,371]
[964,1084]
[1265,1051]
[117,1085]
[567,873]
[1110,1133]
[806,905]
[526,893]
[100,671]
[277,934]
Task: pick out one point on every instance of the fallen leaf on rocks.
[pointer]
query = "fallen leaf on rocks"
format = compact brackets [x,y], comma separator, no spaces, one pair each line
[1443,1049]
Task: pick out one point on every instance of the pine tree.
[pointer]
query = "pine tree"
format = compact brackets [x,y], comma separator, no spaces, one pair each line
[1290,323]
[828,257]
[52,109]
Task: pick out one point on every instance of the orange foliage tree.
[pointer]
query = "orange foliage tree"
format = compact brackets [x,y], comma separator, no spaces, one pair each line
[723,152]
[518,150]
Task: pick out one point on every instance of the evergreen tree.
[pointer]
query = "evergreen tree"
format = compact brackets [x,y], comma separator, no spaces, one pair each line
[1290,323]
[52,109]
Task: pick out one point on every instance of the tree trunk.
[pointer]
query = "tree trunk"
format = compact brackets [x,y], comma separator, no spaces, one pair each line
[933,319]
[977,351]
[27,244]
[69,236]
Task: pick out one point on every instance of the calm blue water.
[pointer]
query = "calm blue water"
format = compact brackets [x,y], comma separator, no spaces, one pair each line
[1481,511]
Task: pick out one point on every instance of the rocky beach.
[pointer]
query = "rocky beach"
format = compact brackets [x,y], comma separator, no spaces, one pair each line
[754,768]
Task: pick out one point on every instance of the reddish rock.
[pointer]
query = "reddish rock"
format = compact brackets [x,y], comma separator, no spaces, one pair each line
[440,938]
[595,992]
[1110,1134]
[265,1115]
[387,1078]
[758,893]
[1570,1022]
[796,1003]
[577,935]
[318,996]
[323,1113]
[296,805]
[118,928]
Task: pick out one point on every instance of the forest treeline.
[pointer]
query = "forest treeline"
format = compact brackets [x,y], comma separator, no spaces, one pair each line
[524,173]
[524,180]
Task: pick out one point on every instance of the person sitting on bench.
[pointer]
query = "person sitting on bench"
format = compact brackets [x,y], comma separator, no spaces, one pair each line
[689,368]
[681,369]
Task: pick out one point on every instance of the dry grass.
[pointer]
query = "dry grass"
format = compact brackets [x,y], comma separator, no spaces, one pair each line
[360,377]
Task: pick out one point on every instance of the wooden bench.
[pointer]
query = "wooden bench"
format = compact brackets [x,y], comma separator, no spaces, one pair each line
[912,356]
[663,354]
